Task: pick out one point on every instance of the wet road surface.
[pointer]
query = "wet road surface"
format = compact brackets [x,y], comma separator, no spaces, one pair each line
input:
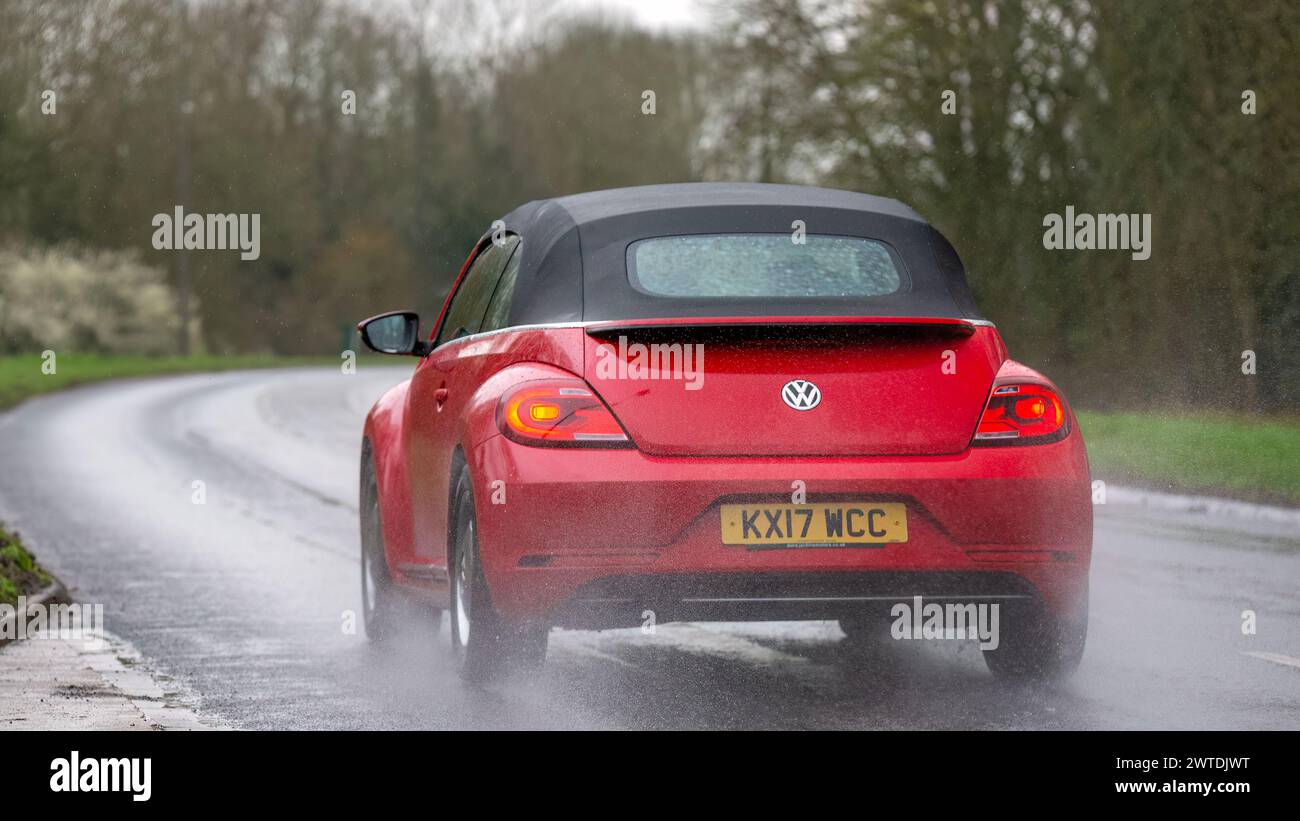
[245,597]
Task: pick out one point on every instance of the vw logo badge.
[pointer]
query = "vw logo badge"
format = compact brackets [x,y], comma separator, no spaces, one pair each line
[801,394]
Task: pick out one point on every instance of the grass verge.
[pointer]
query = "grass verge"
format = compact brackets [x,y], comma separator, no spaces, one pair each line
[22,377]
[1257,460]
[20,575]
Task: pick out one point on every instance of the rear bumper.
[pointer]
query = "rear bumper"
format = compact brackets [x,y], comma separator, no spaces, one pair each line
[590,538]
[627,601]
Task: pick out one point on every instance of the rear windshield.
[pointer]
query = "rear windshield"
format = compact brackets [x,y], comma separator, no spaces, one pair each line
[763,266]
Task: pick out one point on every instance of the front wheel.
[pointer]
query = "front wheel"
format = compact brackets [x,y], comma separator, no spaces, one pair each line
[483,643]
[379,596]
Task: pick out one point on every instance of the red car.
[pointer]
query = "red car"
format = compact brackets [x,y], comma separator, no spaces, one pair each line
[719,402]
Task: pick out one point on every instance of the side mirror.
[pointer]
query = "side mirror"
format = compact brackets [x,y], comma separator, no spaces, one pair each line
[397,332]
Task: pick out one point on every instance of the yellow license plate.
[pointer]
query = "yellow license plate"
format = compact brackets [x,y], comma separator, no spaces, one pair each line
[815,525]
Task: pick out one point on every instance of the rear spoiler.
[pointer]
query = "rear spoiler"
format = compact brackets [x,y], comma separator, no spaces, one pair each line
[947,326]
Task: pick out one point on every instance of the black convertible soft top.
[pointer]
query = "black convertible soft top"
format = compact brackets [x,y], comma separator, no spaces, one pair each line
[574,251]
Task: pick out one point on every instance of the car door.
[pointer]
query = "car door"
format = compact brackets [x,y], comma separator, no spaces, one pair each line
[442,384]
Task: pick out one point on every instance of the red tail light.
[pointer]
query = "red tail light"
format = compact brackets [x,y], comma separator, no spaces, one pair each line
[559,413]
[1023,415]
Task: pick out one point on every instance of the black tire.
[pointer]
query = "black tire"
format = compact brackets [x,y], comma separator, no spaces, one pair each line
[1035,646]
[482,642]
[861,629]
[379,596]
[865,635]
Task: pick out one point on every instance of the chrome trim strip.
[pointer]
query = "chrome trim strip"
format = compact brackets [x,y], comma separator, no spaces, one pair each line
[544,326]
[900,598]
[850,598]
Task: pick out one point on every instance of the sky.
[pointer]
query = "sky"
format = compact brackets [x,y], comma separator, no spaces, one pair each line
[650,13]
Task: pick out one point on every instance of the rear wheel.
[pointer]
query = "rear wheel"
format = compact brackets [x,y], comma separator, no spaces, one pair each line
[1036,646]
[860,628]
[866,635]
[863,630]
[482,642]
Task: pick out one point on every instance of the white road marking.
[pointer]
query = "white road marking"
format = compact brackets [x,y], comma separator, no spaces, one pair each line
[1276,658]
